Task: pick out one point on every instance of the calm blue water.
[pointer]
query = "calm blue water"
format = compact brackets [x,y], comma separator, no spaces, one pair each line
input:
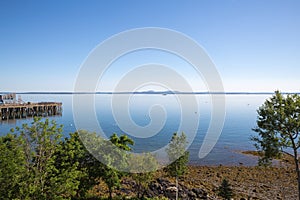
[240,119]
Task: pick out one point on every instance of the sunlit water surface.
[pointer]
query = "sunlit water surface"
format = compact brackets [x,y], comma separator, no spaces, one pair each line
[235,137]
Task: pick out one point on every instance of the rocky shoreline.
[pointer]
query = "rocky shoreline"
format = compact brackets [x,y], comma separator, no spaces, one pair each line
[201,182]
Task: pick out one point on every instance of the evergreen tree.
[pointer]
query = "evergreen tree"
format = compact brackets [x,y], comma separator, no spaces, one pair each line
[114,157]
[123,142]
[179,157]
[225,190]
[73,160]
[90,167]
[142,168]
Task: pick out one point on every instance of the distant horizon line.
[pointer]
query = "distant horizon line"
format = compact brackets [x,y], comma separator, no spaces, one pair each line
[146,92]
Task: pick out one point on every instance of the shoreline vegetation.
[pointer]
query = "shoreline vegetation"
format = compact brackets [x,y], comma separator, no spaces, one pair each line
[57,168]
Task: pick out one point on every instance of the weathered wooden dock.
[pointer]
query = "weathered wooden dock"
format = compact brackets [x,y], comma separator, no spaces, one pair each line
[19,111]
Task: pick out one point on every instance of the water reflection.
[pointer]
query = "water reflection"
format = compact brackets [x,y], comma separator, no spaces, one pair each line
[240,119]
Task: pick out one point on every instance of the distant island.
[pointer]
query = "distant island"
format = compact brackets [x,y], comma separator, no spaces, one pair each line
[167,92]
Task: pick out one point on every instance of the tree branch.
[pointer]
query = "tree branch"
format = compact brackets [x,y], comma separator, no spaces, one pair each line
[296,135]
[287,153]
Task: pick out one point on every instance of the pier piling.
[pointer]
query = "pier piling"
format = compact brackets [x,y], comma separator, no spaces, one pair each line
[19,111]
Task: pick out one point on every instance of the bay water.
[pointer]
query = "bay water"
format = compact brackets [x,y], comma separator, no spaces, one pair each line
[240,118]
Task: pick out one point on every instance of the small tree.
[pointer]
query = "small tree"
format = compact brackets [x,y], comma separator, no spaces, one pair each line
[180,157]
[39,142]
[278,128]
[109,157]
[73,160]
[225,190]
[142,168]
[111,176]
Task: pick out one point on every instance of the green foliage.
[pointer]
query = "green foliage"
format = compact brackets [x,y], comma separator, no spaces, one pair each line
[133,198]
[123,142]
[278,126]
[12,167]
[88,164]
[114,155]
[73,160]
[178,155]
[38,144]
[112,179]
[142,168]
[225,190]
[146,198]
[36,163]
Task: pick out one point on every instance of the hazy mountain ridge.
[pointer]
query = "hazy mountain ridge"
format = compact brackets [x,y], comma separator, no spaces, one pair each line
[153,92]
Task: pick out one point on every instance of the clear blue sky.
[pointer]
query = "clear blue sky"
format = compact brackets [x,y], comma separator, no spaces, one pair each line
[255,44]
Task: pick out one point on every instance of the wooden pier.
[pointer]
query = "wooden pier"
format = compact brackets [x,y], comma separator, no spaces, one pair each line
[19,111]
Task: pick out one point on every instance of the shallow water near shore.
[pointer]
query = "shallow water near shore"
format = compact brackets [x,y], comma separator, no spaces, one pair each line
[235,137]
